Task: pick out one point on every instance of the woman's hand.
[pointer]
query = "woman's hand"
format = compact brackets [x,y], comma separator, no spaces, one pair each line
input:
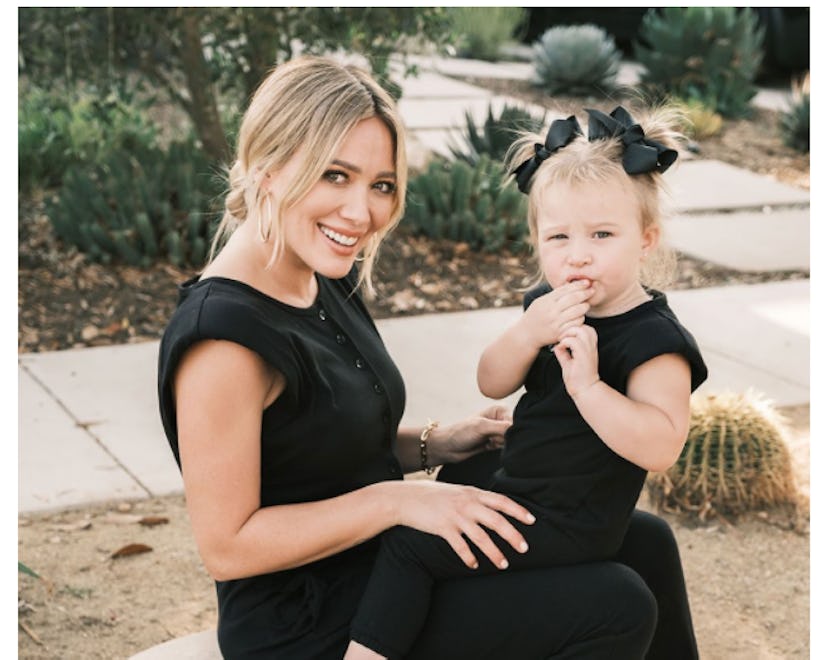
[455,442]
[453,511]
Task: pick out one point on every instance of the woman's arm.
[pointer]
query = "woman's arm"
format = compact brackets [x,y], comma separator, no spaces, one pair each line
[452,443]
[221,389]
[649,425]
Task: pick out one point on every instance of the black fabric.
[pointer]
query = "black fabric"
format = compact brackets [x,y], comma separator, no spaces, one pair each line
[330,432]
[581,492]
[553,459]
[649,548]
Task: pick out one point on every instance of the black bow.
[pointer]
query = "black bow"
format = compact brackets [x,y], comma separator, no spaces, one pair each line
[561,133]
[640,154]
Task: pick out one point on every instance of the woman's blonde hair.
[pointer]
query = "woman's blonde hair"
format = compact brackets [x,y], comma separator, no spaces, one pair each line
[598,161]
[305,106]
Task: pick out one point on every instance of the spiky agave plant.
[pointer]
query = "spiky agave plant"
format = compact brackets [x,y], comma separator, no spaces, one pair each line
[795,124]
[735,459]
[575,58]
[496,135]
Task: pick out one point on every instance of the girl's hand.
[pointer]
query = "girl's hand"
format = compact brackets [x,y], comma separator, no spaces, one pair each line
[456,442]
[452,511]
[548,318]
[577,353]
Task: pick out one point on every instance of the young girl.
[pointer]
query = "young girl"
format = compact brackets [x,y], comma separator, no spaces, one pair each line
[608,371]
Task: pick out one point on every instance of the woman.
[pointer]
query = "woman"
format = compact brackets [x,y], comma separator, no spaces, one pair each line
[282,407]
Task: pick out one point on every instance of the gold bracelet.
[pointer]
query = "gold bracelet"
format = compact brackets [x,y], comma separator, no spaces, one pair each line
[424,449]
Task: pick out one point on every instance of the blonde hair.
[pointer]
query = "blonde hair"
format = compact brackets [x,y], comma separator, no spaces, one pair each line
[305,106]
[598,162]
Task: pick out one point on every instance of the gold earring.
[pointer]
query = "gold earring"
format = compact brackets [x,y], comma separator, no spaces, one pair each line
[264,236]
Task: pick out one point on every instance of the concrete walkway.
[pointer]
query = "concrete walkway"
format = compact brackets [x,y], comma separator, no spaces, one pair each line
[88,423]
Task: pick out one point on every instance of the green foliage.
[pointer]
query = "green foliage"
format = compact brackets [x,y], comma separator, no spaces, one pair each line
[708,54]
[137,206]
[196,55]
[735,459]
[482,31]
[57,130]
[497,135]
[461,202]
[22,568]
[795,123]
[575,59]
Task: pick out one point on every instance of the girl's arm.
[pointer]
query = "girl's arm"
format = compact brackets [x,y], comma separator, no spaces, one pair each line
[649,425]
[221,389]
[504,364]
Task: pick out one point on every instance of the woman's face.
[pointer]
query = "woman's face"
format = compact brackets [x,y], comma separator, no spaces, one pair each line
[327,229]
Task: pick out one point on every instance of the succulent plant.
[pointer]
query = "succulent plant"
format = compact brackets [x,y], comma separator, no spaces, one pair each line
[482,31]
[795,123]
[137,206]
[497,134]
[708,54]
[575,59]
[735,459]
[467,203]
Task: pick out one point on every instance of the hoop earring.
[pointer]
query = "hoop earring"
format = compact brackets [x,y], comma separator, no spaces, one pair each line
[262,235]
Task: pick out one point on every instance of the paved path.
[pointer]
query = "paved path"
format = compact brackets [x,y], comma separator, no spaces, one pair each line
[88,422]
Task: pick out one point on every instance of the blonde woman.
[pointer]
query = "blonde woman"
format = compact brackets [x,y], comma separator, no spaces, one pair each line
[282,408]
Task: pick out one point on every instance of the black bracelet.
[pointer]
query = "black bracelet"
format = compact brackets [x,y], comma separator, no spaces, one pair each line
[424,448]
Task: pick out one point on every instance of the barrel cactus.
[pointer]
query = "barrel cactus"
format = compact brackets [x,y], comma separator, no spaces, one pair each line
[574,59]
[735,459]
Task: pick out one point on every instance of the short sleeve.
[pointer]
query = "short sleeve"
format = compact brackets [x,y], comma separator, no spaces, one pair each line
[662,334]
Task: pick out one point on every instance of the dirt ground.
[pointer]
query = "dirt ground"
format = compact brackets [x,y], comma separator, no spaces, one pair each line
[748,580]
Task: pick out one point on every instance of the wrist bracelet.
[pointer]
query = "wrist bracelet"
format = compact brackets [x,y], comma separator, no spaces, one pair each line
[423,447]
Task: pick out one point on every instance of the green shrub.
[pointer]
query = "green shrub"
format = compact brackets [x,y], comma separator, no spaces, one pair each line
[482,31]
[795,124]
[497,135]
[735,459]
[139,205]
[707,54]
[56,131]
[575,59]
[467,203]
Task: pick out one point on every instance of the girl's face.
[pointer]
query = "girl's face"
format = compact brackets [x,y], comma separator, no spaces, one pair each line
[326,230]
[592,232]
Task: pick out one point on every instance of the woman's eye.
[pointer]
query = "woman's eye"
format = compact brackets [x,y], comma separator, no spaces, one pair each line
[335,176]
[386,187]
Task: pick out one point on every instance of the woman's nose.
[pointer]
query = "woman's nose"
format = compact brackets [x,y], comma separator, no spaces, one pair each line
[355,206]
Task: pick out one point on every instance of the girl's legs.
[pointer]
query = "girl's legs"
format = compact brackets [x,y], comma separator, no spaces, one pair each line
[596,611]
[649,548]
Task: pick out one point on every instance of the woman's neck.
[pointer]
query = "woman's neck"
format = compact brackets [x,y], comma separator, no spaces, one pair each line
[245,257]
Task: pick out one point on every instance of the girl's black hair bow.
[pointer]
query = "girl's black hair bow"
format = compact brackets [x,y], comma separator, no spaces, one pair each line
[561,133]
[641,155]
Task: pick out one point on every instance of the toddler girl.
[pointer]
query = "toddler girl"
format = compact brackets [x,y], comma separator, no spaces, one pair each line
[608,371]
